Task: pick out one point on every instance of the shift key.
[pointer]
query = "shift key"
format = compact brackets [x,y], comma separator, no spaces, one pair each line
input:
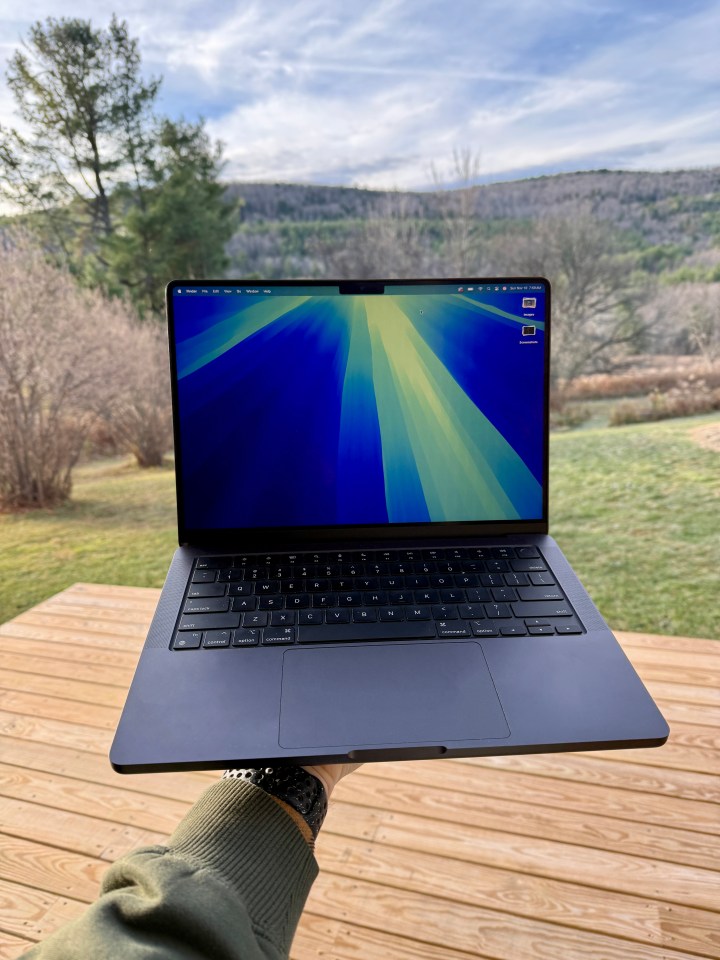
[542,608]
[209,621]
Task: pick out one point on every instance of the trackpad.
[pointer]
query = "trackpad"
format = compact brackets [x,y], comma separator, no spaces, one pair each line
[392,693]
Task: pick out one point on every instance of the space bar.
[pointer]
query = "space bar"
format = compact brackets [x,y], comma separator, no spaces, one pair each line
[339,632]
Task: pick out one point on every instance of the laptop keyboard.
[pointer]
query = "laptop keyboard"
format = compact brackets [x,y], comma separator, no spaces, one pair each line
[309,598]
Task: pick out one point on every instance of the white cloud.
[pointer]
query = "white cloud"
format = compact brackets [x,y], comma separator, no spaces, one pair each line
[309,90]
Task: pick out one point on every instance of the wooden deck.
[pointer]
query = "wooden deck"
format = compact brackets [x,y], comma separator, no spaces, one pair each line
[605,855]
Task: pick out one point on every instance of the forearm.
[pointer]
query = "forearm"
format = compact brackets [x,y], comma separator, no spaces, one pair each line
[230,885]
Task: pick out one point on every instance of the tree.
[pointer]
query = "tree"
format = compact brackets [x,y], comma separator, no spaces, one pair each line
[129,200]
[391,242]
[461,239]
[57,374]
[179,224]
[139,413]
[80,93]
[596,293]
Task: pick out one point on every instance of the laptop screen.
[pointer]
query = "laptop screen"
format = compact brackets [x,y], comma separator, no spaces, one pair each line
[393,402]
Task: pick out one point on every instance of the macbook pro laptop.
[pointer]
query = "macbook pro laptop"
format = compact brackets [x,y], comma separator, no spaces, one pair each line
[364,569]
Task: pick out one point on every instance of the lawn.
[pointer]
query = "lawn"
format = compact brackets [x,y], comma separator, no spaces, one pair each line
[636,509]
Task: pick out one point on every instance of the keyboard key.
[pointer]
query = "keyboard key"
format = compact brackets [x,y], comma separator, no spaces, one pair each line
[244,603]
[257,618]
[298,601]
[568,628]
[240,589]
[375,599]
[420,582]
[264,588]
[543,631]
[282,618]
[278,635]
[427,596]
[391,614]
[438,581]
[188,641]
[212,563]
[467,580]
[527,566]
[337,616]
[418,613]
[227,576]
[209,621]
[481,595]
[496,611]
[492,580]
[504,594]
[502,552]
[366,631]
[444,611]
[271,603]
[206,590]
[526,552]
[246,637]
[325,600]
[452,596]
[468,611]
[542,608]
[398,596]
[217,638]
[361,615]
[310,616]
[452,628]
[542,579]
[293,586]
[540,593]
[318,586]
[353,599]
[516,579]
[204,576]
[513,630]
[481,628]
[207,605]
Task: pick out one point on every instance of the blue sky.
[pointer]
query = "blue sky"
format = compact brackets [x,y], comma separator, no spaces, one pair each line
[372,94]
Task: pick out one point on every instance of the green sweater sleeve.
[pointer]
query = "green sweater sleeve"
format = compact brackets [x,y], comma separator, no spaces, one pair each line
[230,885]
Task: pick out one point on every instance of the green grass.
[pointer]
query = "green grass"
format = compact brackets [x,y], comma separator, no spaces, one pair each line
[119,527]
[636,509]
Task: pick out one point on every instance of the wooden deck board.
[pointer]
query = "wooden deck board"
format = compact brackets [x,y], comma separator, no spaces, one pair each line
[609,854]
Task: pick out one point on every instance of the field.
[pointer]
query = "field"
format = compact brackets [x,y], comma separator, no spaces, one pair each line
[636,509]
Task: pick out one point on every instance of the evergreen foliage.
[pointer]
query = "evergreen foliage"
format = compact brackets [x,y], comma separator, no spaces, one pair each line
[126,199]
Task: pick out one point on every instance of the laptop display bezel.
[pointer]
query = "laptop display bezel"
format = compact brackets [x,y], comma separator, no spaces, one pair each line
[278,537]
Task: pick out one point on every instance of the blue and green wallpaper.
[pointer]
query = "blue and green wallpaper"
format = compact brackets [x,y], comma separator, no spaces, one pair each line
[304,409]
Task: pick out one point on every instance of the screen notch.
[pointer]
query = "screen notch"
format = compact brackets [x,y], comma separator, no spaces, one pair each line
[363,287]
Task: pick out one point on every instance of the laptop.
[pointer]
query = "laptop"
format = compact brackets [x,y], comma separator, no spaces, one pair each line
[364,570]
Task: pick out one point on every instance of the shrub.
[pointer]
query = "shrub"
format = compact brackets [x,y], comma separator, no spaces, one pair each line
[56,375]
[140,414]
[73,364]
[691,397]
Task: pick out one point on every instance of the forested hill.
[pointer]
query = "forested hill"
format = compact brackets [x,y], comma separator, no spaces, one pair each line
[680,207]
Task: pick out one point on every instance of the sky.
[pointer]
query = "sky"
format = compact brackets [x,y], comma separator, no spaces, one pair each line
[374,94]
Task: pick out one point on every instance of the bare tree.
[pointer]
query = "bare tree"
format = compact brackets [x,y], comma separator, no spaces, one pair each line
[704,325]
[596,294]
[461,240]
[392,242]
[56,371]
[139,413]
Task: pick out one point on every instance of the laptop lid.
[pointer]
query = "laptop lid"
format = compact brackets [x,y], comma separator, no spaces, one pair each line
[356,410]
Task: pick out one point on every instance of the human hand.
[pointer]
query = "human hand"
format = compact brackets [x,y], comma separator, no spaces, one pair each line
[329,774]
